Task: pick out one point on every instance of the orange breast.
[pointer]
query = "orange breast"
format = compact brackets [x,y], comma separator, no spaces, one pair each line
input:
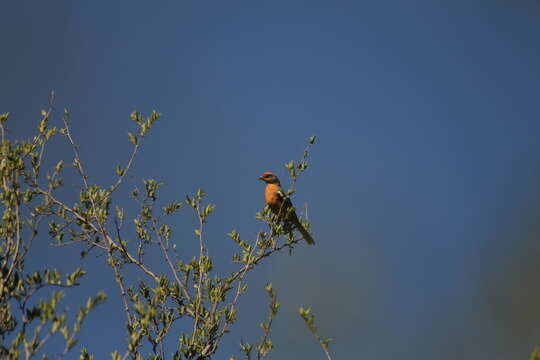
[272,198]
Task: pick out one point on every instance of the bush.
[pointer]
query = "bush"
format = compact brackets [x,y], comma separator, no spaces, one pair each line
[189,293]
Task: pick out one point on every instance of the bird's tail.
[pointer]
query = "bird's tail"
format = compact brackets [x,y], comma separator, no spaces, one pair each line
[304,232]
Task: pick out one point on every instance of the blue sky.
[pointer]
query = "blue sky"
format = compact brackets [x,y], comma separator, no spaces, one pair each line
[422,186]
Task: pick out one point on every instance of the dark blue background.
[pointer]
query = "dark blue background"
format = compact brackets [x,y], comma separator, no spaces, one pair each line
[422,186]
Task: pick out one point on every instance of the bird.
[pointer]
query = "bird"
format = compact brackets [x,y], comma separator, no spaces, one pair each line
[281,205]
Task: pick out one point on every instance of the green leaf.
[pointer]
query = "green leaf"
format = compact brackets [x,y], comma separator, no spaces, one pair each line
[85,355]
[132,138]
[269,289]
[326,342]
[59,166]
[64,332]
[172,207]
[135,116]
[200,194]
[72,279]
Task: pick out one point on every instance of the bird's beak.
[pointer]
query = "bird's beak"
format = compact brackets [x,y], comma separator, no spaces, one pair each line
[260,178]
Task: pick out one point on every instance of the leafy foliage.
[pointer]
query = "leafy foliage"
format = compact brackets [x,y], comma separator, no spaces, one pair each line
[190,293]
[27,321]
[309,320]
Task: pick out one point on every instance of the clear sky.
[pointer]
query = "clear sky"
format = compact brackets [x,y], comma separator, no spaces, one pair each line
[422,187]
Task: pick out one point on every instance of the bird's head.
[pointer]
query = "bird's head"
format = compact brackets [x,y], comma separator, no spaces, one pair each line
[269,178]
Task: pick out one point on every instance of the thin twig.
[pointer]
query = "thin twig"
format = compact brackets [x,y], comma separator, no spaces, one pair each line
[199,287]
[128,167]
[241,277]
[169,262]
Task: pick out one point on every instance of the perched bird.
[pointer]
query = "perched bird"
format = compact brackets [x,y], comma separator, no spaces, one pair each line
[281,205]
